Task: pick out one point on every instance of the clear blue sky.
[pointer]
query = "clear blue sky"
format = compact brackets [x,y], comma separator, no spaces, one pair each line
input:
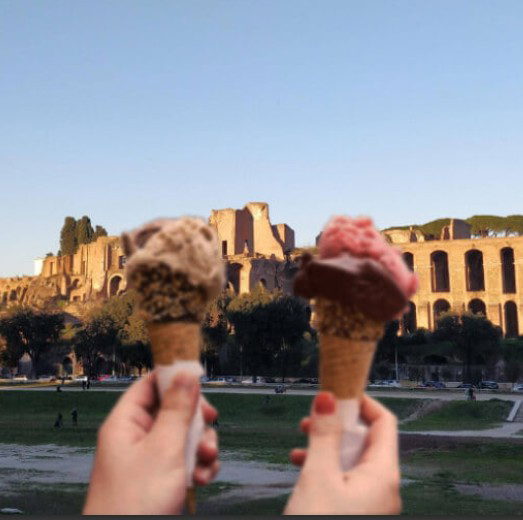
[128,110]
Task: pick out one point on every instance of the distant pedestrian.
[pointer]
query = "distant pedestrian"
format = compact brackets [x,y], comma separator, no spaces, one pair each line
[88,383]
[74,416]
[59,423]
[84,385]
[59,388]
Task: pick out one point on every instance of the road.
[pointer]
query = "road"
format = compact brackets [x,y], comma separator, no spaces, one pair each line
[445,395]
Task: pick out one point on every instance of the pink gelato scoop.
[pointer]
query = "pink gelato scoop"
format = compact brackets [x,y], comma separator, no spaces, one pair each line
[358,237]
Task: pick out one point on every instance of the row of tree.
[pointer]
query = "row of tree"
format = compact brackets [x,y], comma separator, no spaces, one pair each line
[481,226]
[257,333]
[75,232]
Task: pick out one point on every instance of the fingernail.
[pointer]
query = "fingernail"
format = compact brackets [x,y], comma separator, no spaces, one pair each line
[324,404]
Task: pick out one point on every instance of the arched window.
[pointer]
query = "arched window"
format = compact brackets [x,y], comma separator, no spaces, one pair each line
[440,306]
[409,260]
[409,319]
[114,285]
[474,270]
[477,306]
[511,320]
[508,273]
[439,267]
[233,276]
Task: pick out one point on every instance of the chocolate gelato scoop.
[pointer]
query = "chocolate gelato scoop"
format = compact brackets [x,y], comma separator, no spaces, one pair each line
[362,283]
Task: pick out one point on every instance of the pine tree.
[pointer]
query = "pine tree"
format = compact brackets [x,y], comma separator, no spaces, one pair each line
[84,231]
[100,231]
[68,242]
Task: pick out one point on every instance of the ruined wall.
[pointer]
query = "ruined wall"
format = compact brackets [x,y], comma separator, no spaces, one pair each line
[265,240]
[480,277]
[286,236]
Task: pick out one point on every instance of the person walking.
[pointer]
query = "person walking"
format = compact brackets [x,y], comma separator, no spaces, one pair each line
[74,416]
[59,422]
[84,385]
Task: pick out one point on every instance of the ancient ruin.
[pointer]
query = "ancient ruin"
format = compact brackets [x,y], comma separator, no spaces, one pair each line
[456,272]
[460,273]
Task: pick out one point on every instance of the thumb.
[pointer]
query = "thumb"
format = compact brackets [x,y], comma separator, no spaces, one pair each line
[324,434]
[177,408]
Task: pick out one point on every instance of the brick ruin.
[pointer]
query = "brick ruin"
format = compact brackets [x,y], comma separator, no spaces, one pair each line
[456,271]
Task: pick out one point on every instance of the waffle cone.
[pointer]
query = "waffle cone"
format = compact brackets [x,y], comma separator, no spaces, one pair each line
[174,341]
[345,365]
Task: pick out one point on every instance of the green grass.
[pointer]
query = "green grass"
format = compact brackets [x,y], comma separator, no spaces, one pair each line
[418,499]
[442,500]
[48,499]
[479,462]
[28,417]
[68,499]
[463,415]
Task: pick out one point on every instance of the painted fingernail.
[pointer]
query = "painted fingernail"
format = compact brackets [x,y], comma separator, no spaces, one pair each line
[324,403]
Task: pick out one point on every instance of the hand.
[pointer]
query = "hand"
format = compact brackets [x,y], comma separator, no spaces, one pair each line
[370,488]
[139,467]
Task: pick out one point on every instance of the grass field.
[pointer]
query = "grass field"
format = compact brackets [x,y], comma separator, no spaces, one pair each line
[265,430]
[28,418]
[463,415]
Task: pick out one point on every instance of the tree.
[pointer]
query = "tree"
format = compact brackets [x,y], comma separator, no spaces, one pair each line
[215,330]
[31,332]
[475,338]
[98,337]
[99,231]
[249,317]
[513,359]
[68,240]
[288,321]
[84,231]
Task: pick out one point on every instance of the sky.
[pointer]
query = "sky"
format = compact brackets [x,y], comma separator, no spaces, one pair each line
[128,110]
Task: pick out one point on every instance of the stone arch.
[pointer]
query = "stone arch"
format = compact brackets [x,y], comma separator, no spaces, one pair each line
[474,271]
[114,285]
[440,306]
[409,260]
[439,270]
[477,306]
[511,319]
[233,276]
[409,319]
[508,272]
[263,282]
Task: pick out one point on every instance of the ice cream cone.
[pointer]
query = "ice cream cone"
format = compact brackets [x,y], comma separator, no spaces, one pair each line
[175,346]
[174,341]
[176,268]
[345,365]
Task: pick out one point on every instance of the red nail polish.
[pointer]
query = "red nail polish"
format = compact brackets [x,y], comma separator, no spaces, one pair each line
[324,403]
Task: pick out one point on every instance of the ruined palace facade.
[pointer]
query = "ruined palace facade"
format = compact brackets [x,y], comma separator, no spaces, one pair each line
[461,273]
[254,250]
[456,272]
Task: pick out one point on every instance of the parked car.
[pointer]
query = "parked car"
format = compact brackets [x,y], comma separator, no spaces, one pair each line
[80,378]
[20,378]
[46,379]
[466,385]
[433,384]
[518,387]
[217,381]
[389,383]
[490,385]
[280,389]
